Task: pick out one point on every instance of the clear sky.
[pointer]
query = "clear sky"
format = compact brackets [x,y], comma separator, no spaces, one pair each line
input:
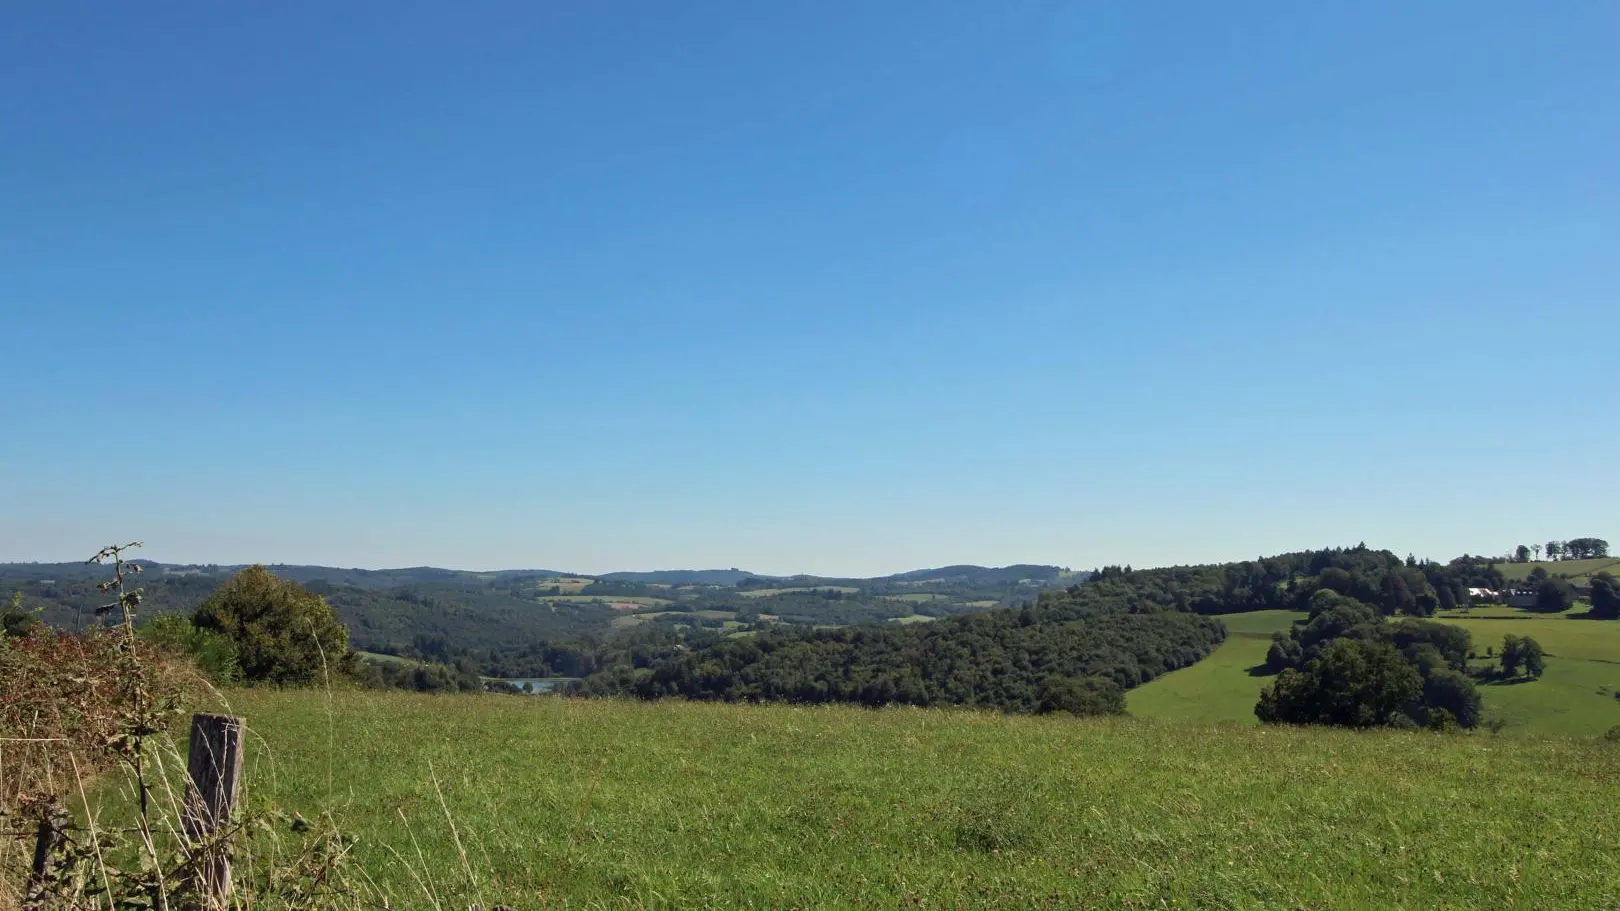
[836,287]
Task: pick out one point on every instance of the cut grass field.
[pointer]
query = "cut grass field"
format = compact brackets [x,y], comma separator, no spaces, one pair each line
[767,592]
[610,804]
[646,616]
[565,584]
[1578,570]
[1574,696]
[1220,687]
[613,600]
[380,658]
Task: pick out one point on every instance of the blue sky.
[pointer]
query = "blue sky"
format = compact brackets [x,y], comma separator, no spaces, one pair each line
[820,287]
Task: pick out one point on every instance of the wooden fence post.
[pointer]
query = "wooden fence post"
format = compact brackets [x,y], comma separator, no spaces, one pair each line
[215,769]
[53,821]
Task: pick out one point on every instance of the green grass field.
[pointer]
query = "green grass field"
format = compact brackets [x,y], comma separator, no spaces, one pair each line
[380,658]
[767,592]
[1578,570]
[1503,612]
[565,584]
[637,600]
[1574,697]
[730,617]
[1562,635]
[609,804]
[1220,687]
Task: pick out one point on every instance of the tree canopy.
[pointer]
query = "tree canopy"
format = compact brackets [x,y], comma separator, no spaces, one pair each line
[1605,597]
[1355,683]
[283,633]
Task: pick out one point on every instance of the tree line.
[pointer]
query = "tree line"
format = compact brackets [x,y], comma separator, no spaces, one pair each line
[1573,549]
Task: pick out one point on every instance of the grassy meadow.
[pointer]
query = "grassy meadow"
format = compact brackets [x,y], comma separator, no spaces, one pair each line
[613,804]
[1577,570]
[1220,687]
[768,592]
[1574,697]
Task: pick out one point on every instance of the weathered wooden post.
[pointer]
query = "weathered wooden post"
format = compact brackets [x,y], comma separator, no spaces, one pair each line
[215,768]
[53,822]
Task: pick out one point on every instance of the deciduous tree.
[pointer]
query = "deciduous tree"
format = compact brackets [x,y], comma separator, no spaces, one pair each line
[283,633]
[1554,596]
[1605,597]
[1354,683]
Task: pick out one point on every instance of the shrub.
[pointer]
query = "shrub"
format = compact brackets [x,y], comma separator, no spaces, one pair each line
[1354,683]
[1453,694]
[1081,696]
[213,654]
[63,698]
[282,632]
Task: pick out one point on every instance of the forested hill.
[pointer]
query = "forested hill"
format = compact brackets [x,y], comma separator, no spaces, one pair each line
[1076,648]
[501,620]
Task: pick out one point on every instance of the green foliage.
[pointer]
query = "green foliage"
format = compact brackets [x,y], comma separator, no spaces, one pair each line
[1084,696]
[212,653]
[282,632]
[1522,651]
[16,620]
[1354,683]
[421,676]
[1585,549]
[1451,643]
[1453,693]
[997,659]
[1333,616]
[1554,595]
[1605,597]
[1285,652]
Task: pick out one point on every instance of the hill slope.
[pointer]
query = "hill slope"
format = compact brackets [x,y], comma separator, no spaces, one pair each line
[1574,697]
[608,804]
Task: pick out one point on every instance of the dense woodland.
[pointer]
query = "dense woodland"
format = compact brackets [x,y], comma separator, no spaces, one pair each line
[1000,659]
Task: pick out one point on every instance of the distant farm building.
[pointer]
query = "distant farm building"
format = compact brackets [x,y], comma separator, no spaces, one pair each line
[1520,597]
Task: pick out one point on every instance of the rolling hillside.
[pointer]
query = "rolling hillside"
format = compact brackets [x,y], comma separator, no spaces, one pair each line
[1574,570]
[1575,697]
[610,804]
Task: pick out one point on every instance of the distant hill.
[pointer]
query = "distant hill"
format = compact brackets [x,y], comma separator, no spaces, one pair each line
[968,574]
[437,613]
[683,576]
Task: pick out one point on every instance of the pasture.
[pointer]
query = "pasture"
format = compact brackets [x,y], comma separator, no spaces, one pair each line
[381,658]
[1574,697]
[613,804]
[617,602]
[729,617]
[1576,570]
[1220,687]
[768,592]
[566,585]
